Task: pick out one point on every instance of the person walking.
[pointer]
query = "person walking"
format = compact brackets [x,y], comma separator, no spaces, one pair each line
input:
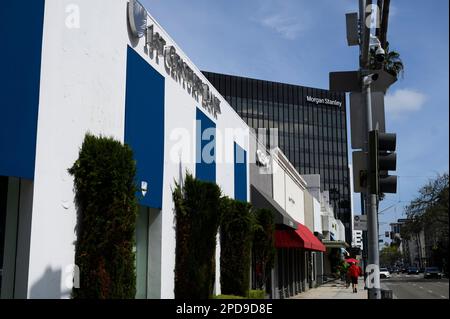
[354,272]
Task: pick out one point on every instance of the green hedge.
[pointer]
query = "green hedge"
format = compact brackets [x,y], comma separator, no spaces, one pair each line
[256,294]
[106,216]
[235,247]
[263,245]
[252,294]
[228,297]
[197,221]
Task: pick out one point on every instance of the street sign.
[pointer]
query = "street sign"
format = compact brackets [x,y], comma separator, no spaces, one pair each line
[347,81]
[359,166]
[360,222]
[358,111]
[351,20]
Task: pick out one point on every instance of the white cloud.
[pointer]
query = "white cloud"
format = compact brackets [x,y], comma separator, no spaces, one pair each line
[392,11]
[404,101]
[288,27]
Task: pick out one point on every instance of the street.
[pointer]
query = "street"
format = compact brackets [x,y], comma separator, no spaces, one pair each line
[416,287]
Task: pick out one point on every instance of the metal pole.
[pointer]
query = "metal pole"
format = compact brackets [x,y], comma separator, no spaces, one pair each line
[372,214]
[370,199]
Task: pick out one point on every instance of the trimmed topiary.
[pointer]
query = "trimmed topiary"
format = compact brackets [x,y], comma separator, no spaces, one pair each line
[263,245]
[235,247]
[105,196]
[197,220]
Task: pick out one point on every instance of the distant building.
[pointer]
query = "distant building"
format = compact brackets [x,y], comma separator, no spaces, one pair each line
[414,249]
[312,129]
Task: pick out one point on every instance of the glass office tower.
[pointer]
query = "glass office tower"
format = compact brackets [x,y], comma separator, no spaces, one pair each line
[312,129]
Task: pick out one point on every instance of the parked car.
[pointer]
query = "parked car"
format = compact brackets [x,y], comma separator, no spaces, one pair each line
[421,270]
[432,272]
[384,273]
[404,270]
[413,271]
[395,270]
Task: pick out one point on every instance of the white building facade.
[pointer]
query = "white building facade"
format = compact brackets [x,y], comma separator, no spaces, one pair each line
[99,67]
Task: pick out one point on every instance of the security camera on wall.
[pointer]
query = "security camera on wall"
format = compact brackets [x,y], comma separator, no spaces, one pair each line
[380,54]
[368,79]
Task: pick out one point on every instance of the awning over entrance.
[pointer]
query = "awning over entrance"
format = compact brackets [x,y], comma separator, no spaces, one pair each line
[335,244]
[259,199]
[302,238]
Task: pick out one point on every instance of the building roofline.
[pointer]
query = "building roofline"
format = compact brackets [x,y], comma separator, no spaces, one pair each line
[275,82]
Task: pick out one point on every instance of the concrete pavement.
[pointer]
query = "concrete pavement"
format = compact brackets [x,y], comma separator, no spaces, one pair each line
[334,290]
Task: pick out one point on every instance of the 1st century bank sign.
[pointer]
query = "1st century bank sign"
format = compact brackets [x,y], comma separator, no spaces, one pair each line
[174,65]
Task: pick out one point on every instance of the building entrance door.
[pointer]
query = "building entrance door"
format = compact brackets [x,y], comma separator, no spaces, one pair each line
[148,253]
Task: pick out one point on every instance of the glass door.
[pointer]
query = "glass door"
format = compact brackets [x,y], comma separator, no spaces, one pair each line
[141,253]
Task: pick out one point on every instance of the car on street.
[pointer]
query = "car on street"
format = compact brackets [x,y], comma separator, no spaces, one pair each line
[432,272]
[384,273]
[413,271]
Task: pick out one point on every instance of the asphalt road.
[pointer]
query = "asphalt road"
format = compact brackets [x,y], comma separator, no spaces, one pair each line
[416,287]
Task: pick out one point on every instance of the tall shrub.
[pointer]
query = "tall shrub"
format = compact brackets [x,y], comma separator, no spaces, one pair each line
[235,247]
[263,245]
[197,219]
[106,216]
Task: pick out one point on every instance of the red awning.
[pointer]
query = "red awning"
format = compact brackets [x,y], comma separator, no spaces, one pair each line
[302,238]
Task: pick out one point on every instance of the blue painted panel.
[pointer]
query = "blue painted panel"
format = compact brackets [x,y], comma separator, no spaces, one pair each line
[205,168]
[240,173]
[21,27]
[144,126]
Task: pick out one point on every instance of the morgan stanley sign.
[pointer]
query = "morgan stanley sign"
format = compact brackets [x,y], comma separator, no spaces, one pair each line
[323,101]
[174,65]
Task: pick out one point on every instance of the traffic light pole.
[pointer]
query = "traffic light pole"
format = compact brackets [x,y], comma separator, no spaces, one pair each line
[371,206]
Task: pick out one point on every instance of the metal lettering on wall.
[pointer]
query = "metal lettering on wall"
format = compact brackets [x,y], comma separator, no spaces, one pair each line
[323,101]
[179,70]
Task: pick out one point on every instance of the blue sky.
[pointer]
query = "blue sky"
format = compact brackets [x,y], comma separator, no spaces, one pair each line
[300,42]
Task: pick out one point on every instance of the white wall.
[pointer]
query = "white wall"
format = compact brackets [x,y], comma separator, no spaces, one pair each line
[352,207]
[317,216]
[279,191]
[340,230]
[295,205]
[83,90]
[287,190]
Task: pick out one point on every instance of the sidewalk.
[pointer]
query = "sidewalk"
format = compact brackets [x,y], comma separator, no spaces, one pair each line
[334,290]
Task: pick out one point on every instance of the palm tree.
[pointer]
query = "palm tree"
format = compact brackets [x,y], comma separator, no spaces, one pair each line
[392,62]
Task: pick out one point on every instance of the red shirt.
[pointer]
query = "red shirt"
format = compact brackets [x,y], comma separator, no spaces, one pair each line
[354,271]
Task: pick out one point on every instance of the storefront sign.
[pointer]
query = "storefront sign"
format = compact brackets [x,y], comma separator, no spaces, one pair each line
[174,65]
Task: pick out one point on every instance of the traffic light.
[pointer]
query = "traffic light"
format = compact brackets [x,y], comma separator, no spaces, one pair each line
[382,159]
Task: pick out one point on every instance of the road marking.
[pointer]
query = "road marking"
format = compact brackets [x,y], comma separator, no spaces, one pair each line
[444,297]
[430,291]
[420,287]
